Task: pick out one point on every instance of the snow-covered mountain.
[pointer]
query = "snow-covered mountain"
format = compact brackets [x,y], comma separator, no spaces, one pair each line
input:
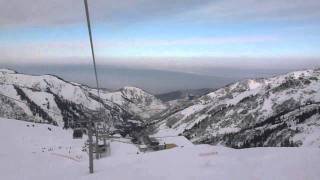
[50,99]
[136,101]
[278,111]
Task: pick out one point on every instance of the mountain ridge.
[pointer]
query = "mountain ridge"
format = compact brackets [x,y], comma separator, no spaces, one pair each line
[46,97]
[278,111]
[235,108]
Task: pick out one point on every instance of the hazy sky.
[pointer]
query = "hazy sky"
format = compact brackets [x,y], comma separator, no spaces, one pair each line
[163,33]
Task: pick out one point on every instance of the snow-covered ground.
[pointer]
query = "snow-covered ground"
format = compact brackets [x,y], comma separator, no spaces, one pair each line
[34,153]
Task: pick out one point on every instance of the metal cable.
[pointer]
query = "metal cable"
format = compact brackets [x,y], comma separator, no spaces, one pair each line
[91,46]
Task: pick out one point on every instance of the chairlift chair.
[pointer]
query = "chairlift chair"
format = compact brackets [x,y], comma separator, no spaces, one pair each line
[77,133]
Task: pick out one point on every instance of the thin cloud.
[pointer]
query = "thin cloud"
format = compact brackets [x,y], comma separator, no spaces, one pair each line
[192,41]
[56,12]
[38,50]
[80,47]
[255,10]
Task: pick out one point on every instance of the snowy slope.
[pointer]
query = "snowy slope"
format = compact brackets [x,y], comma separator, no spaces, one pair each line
[278,111]
[136,101]
[50,99]
[37,153]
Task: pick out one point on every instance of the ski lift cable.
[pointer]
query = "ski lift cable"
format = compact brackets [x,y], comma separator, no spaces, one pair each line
[93,58]
[92,48]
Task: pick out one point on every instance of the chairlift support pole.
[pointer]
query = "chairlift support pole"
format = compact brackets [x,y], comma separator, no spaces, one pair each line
[97,142]
[90,148]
